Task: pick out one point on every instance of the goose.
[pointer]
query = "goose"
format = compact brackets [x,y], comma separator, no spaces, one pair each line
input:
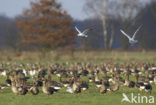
[2,86]
[25,72]
[131,39]
[39,82]
[65,83]
[20,84]
[69,90]
[22,90]
[139,84]
[3,72]
[32,73]
[114,87]
[97,82]
[14,88]
[8,81]
[76,88]
[148,87]
[84,86]
[53,84]
[34,89]
[90,79]
[154,79]
[47,89]
[129,83]
[83,34]
[41,73]
[103,89]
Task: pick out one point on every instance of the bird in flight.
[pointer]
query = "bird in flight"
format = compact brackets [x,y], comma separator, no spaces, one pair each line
[131,39]
[84,33]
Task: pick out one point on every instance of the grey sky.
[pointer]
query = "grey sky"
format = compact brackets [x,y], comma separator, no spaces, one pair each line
[12,8]
[74,8]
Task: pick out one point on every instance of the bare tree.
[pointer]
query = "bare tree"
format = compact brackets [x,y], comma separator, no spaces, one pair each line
[99,8]
[153,7]
[122,10]
[12,38]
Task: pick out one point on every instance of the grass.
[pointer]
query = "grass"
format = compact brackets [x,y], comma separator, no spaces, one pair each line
[79,56]
[91,97]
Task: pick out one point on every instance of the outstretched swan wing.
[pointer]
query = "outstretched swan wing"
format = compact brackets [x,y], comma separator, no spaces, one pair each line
[77,30]
[136,32]
[125,34]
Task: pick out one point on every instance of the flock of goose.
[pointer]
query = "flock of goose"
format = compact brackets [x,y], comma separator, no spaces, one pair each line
[76,77]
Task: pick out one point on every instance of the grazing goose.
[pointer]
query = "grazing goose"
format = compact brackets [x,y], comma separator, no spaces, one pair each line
[2,86]
[14,88]
[98,84]
[104,87]
[76,86]
[3,72]
[154,78]
[97,81]
[61,73]
[148,86]
[65,83]
[90,79]
[70,87]
[69,90]
[139,84]
[114,87]
[84,72]
[53,84]
[84,86]
[129,84]
[25,72]
[32,72]
[42,73]
[47,89]
[8,81]
[39,82]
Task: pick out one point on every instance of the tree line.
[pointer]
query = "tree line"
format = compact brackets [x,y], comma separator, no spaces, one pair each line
[46,26]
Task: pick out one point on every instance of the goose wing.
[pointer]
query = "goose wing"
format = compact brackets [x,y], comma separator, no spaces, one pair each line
[125,34]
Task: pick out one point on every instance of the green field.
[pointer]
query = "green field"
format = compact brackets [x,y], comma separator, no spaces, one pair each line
[92,96]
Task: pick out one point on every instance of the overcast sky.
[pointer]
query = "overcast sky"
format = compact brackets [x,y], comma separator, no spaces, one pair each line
[12,8]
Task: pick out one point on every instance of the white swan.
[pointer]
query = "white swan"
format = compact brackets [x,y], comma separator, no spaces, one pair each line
[131,39]
[83,34]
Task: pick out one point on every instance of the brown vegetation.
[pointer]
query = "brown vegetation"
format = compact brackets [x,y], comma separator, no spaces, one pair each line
[46,25]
